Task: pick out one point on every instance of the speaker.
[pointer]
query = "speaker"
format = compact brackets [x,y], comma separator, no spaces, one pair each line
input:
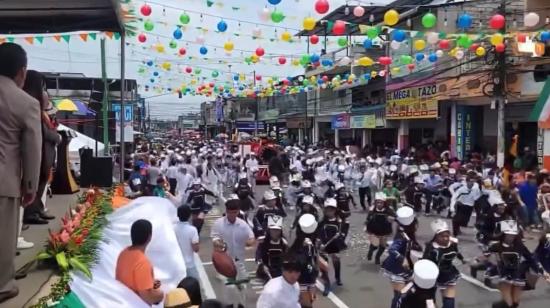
[96,171]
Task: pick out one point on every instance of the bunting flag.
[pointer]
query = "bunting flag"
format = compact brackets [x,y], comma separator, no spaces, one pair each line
[11,39]
[29,39]
[39,38]
[93,36]
[541,111]
[117,36]
[66,37]
[109,34]
[84,36]
[57,38]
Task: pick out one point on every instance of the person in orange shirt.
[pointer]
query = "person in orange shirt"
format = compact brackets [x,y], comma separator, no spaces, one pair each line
[133,268]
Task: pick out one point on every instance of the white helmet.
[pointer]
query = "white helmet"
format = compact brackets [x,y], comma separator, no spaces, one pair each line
[307,199]
[341,168]
[308,223]
[306,184]
[380,196]
[269,195]
[330,202]
[509,227]
[418,180]
[338,186]
[425,274]
[405,215]
[197,182]
[439,226]
[275,222]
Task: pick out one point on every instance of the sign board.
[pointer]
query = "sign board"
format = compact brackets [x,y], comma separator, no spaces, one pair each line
[249,126]
[340,121]
[128,121]
[363,121]
[465,137]
[412,103]
[540,147]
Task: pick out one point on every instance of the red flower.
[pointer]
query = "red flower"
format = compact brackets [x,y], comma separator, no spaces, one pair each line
[78,240]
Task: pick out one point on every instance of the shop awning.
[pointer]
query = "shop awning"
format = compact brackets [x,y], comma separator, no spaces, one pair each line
[541,111]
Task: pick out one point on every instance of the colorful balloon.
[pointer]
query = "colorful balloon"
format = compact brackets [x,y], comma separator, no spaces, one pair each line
[182,51]
[372,32]
[188,70]
[399,35]
[265,14]
[314,39]
[429,20]
[203,50]
[405,59]
[365,61]
[367,43]
[277,16]
[480,51]
[464,21]
[260,51]
[178,34]
[464,41]
[173,44]
[497,21]
[148,25]
[385,60]
[282,60]
[222,26]
[531,19]
[322,6]
[339,27]
[419,57]
[391,17]
[444,44]
[497,38]
[432,37]
[432,57]
[145,10]
[286,36]
[274,2]
[545,36]
[419,44]
[184,18]
[342,42]
[358,11]
[309,23]
[314,58]
[500,47]
[142,38]
[228,46]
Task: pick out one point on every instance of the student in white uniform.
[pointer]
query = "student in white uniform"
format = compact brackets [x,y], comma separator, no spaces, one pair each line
[283,291]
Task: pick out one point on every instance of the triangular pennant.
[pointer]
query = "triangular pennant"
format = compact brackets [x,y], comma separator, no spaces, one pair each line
[363,29]
[109,34]
[117,36]
[209,3]
[11,39]
[29,39]
[40,39]
[330,25]
[66,37]
[93,36]
[2,40]
[83,36]
[57,38]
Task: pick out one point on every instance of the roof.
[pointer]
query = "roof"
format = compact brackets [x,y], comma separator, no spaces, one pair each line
[56,16]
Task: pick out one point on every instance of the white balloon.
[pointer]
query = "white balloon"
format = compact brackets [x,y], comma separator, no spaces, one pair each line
[432,37]
[382,73]
[358,11]
[439,53]
[301,78]
[200,39]
[395,45]
[531,19]
[324,86]
[265,14]
[345,61]
[459,54]
[257,32]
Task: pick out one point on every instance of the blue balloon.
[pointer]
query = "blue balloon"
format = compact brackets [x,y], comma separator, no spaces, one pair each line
[464,21]
[274,2]
[236,77]
[178,34]
[241,88]
[149,63]
[203,50]
[419,56]
[367,43]
[222,26]
[152,80]
[155,74]
[545,36]
[399,35]
[367,76]
[432,57]
[320,81]
[314,58]
[326,62]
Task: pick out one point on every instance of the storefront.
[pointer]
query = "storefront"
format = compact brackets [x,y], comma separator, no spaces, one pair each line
[343,134]
[369,127]
[298,129]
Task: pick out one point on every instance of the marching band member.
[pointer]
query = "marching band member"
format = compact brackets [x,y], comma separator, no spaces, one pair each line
[378,226]
[331,238]
[420,293]
[272,249]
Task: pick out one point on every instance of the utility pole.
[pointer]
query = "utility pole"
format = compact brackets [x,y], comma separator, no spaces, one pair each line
[499,94]
[105,100]
[257,105]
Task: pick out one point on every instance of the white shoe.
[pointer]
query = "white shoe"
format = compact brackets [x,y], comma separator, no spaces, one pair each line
[22,244]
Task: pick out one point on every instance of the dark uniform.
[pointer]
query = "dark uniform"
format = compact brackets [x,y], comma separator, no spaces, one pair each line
[343,200]
[260,219]
[378,221]
[331,236]
[513,262]
[413,196]
[443,257]
[197,200]
[271,255]
[244,192]
[415,297]
[399,251]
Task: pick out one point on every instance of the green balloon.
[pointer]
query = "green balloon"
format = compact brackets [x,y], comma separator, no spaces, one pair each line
[464,41]
[173,44]
[198,71]
[406,59]
[429,20]
[215,74]
[342,42]
[304,60]
[248,60]
[372,32]
[305,83]
[184,18]
[277,16]
[148,25]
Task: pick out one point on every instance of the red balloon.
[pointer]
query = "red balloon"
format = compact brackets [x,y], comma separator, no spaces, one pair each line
[321,6]
[325,78]
[258,77]
[474,47]
[142,38]
[285,82]
[444,44]
[260,51]
[497,21]
[339,27]
[182,51]
[282,60]
[211,84]
[410,66]
[316,64]
[500,48]
[385,60]
[522,38]
[145,10]
[314,39]
[189,70]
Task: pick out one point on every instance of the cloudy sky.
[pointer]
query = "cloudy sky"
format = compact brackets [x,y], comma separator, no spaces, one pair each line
[242,17]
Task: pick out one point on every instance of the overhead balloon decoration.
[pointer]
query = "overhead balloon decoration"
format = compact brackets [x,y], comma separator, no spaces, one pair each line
[184,18]
[277,16]
[322,6]
[429,20]
[222,26]
[145,10]
[391,17]
[339,27]
[178,34]
[274,2]
[314,39]
[309,23]
[358,11]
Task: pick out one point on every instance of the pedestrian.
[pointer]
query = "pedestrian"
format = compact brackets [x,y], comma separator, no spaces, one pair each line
[153,174]
[364,183]
[379,226]
[343,200]
[196,200]
[283,291]
[462,204]
[172,175]
[528,193]
[188,240]
[20,157]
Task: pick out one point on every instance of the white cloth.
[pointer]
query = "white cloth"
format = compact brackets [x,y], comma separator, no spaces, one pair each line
[465,195]
[184,181]
[187,236]
[172,172]
[104,290]
[279,293]
[234,235]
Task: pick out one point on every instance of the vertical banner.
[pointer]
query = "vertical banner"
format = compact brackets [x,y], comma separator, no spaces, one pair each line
[465,128]
[128,121]
[540,147]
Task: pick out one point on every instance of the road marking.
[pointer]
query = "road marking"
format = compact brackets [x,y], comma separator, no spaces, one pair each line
[246,260]
[337,301]
[204,281]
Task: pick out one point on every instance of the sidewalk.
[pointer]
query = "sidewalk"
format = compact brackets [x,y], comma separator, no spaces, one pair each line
[38,234]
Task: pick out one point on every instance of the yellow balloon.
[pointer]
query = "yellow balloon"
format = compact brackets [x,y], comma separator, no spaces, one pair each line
[365,61]
[480,51]
[309,23]
[313,79]
[255,58]
[242,77]
[396,69]
[166,66]
[497,38]
[228,46]
[419,44]
[193,81]
[391,17]
[352,76]
[295,62]
[286,36]
[373,74]
[160,48]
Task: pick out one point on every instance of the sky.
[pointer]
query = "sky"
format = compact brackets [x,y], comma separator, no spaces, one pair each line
[241,16]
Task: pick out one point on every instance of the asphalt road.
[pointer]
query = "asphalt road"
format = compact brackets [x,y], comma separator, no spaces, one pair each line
[364,286]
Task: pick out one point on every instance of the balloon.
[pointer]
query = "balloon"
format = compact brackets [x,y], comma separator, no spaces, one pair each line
[295,62]
[178,34]
[188,70]
[160,48]
[444,44]
[367,43]
[398,35]
[429,20]
[173,44]
[419,56]
[345,61]
[182,51]
[406,59]
[395,45]
[304,60]
[142,38]
[150,63]
[155,74]
[396,69]
[531,19]
[203,50]
[167,66]
[222,26]
[326,62]
[464,21]
[385,60]
[480,51]
[474,46]
[145,10]
[314,39]
[277,16]
[439,53]
[410,66]
[464,41]
[286,36]
[365,61]
[459,54]
[148,25]
[200,39]
[274,2]
[497,38]
[258,77]
[500,47]
[309,23]
[419,44]
[432,37]
[497,21]
[358,11]
[260,51]
[254,58]
[342,42]
[282,60]
[372,32]
[521,37]
[184,18]
[545,36]
[339,27]
[321,6]
[265,14]
[228,46]
[391,17]
[314,58]
[432,57]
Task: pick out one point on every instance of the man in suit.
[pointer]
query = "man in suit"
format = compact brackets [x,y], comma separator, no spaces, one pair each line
[20,156]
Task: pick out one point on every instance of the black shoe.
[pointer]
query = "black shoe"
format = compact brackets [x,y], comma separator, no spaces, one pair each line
[473,271]
[339,282]
[8,295]
[46,216]
[35,220]
[327,290]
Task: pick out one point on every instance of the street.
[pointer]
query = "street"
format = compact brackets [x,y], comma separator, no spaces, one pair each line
[364,286]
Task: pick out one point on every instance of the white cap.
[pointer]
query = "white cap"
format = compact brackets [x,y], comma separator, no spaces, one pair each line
[252,154]
[509,227]
[341,168]
[380,196]
[393,168]
[405,215]
[378,161]
[330,202]
[418,180]
[425,274]
[307,223]
[233,197]
[296,177]
[452,171]
[309,161]
[242,175]
[338,186]
[275,222]
[197,182]
[424,167]
[307,199]
[306,184]
[269,195]
[336,152]
[439,226]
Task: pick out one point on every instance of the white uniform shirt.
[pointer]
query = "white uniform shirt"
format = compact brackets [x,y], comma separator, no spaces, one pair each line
[187,235]
[465,196]
[278,293]
[234,235]
[172,172]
